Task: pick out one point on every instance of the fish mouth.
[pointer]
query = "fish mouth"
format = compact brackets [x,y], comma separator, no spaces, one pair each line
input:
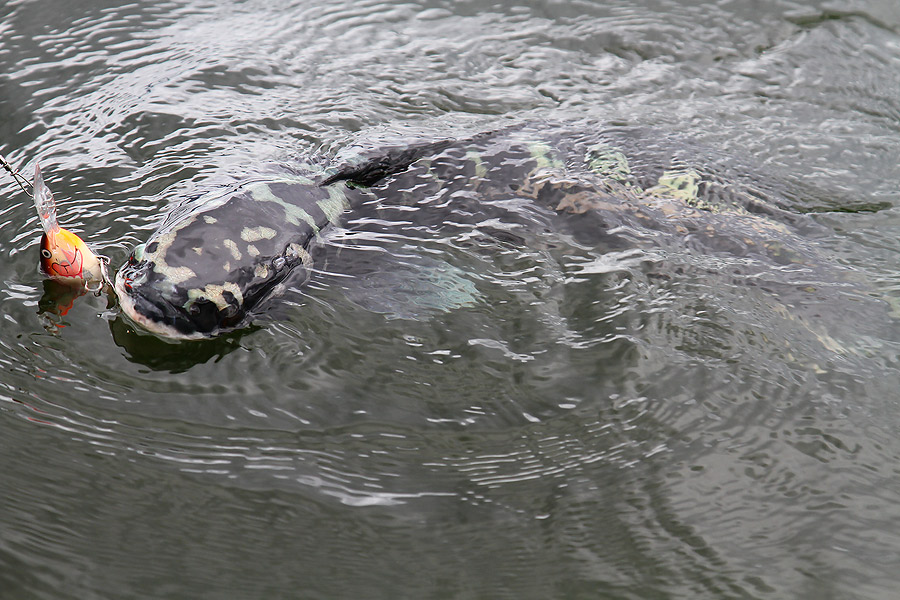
[159,306]
[155,304]
[158,317]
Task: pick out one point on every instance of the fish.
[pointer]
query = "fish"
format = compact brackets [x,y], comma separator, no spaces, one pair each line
[216,260]
[208,267]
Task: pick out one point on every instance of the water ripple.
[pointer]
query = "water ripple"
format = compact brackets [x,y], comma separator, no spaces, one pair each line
[470,398]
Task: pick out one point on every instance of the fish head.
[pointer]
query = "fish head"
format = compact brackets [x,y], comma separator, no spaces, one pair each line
[171,301]
[210,265]
[196,281]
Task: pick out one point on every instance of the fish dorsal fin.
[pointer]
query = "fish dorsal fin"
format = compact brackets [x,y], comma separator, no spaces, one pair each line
[370,171]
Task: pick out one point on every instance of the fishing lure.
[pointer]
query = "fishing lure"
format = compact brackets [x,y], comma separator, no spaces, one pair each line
[63,254]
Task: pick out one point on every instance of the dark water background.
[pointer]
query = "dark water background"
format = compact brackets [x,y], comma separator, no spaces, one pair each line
[539,421]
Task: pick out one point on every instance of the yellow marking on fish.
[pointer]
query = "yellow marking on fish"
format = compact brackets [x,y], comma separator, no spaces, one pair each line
[678,185]
[335,205]
[235,251]
[608,162]
[175,275]
[295,250]
[480,169]
[542,153]
[294,214]
[215,294]
[261,271]
[210,219]
[254,234]
[252,250]
[162,244]
[198,250]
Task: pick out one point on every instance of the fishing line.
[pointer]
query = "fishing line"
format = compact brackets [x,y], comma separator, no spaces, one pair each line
[15,175]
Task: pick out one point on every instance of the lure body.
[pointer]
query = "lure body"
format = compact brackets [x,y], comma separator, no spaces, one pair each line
[64,255]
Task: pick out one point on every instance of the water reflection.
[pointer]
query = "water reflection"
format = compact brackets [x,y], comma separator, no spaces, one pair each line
[58,299]
[165,355]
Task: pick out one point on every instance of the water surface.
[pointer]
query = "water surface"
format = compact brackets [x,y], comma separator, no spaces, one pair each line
[438,414]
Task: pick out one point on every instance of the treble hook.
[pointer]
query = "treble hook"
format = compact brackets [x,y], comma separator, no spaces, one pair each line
[104,280]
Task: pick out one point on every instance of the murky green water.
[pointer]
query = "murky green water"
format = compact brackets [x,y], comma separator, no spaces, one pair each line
[442,413]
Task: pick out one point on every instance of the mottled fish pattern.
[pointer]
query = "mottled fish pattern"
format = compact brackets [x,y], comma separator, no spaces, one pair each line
[205,270]
[213,263]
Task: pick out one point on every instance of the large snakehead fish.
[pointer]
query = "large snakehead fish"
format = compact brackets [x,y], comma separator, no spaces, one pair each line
[215,261]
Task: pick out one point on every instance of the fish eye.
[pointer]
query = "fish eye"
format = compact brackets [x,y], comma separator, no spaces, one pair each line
[46,253]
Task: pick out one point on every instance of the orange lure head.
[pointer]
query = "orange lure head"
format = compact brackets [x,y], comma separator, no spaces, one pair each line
[63,254]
